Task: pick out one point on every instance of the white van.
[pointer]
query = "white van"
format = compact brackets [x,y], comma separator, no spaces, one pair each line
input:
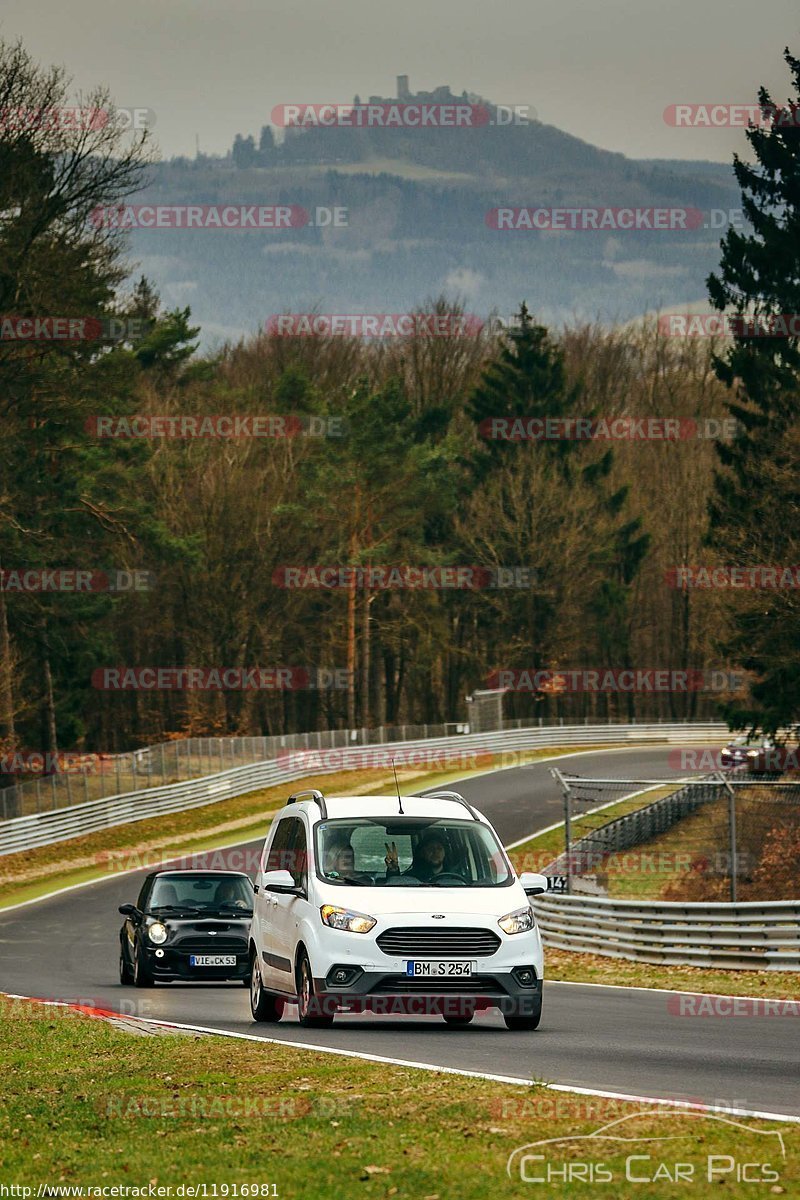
[391,905]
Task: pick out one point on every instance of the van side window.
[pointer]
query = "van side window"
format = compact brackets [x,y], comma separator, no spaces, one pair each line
[299,855]
[277,858]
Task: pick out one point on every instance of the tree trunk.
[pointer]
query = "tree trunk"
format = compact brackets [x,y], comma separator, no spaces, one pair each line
[49,735]
[351,621]
[365,663]
[7,727]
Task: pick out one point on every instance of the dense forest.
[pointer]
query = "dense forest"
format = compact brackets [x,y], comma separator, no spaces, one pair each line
[377,456]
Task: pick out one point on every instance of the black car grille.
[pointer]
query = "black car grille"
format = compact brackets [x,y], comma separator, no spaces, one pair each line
[211,945]
[422,942]
[476,985]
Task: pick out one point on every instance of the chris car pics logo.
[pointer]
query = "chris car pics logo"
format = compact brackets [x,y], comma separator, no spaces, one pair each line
[616,1153]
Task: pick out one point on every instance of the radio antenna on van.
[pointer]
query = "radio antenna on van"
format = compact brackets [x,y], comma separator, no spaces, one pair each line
[397,785]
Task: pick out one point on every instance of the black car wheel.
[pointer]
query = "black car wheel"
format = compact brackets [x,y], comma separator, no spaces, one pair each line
[141,976]
[125,972]
[308,1003]
[528,1018]
[460,1020]
[263,1006]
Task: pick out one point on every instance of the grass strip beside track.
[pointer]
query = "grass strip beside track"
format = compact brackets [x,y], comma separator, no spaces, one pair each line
[88,1104]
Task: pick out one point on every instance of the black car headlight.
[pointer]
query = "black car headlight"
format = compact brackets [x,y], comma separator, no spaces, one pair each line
[157,933]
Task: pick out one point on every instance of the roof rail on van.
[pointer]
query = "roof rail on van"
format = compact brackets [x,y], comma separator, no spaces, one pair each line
[457,798]
[314,794]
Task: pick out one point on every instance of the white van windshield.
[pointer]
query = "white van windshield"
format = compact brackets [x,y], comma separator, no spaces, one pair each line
[410,852]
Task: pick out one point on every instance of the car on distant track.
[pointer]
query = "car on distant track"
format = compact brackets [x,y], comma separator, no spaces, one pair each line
[392,905]
[741,750]
[187,925]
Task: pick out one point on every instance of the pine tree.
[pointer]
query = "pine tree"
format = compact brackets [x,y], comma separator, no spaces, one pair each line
[528,379]
[754,508]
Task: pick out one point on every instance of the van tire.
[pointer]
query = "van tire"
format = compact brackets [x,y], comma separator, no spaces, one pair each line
[308,1005]
[263,1006]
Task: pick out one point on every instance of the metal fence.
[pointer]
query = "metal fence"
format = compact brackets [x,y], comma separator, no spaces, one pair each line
[749,816]
[295,762]
[763,936]
[632,829]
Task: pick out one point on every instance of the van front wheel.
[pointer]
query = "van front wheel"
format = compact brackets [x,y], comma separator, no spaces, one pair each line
[309,1005]
[263,1006]
[525,1016]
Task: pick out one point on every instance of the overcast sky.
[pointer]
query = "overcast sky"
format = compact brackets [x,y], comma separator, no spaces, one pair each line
[603,70]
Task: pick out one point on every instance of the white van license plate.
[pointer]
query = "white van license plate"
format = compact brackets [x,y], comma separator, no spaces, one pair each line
[432,969]
[212,960]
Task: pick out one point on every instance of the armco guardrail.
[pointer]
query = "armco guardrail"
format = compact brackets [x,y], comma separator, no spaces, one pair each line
[764,936]
[78,778]
[43,828]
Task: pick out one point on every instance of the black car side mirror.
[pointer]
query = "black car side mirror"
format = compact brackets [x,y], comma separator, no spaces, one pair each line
[129,910]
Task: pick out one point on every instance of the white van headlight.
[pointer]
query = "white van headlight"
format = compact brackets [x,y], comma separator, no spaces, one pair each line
[157,933]
[519,921]
[344,918]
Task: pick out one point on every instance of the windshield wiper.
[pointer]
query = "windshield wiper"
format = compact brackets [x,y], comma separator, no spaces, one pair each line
[191,908]
[352,879]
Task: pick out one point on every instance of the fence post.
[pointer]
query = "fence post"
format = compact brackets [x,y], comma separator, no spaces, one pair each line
[562,783]
[732,831]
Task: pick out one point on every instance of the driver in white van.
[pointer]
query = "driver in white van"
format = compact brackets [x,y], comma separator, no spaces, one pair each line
[429,860]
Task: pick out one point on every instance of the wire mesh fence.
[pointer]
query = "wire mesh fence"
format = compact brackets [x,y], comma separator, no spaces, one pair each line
[726,837]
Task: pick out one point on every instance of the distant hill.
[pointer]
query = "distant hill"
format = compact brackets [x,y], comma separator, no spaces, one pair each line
[416,204]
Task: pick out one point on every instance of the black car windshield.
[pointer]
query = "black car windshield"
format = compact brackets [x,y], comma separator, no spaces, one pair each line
[410,852]
[203,893]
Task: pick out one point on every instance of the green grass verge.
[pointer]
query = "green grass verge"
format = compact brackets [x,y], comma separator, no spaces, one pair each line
[575,967]
[88,1105]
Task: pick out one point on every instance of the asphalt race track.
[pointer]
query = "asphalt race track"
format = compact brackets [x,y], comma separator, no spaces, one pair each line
[609,1039]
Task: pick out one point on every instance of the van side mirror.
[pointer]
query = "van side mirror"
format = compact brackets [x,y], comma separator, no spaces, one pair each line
[533,883]
[280,881]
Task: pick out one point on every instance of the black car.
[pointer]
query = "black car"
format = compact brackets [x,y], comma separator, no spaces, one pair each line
[187,925]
